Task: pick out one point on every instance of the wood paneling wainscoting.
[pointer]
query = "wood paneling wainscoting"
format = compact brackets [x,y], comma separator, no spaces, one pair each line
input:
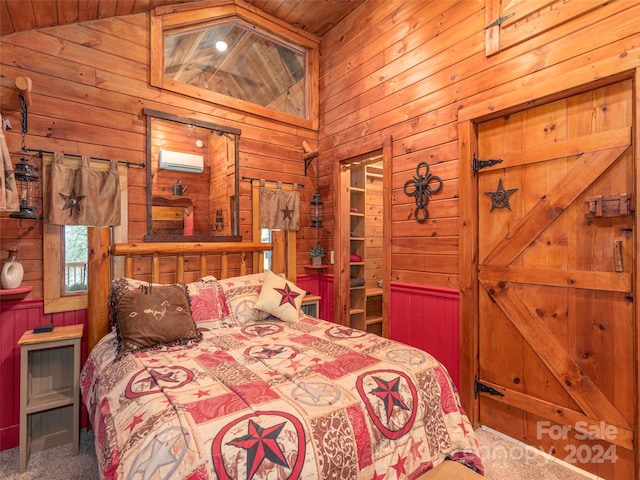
[421,316]
[319,284]
[427,318]
[17,317]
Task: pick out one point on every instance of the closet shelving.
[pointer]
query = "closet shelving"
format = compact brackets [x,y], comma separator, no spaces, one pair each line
[362,212]
[357,291]
[373,247]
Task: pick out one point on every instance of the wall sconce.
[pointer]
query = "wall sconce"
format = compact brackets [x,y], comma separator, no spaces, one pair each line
[219,225]
[28,185]
[318,209]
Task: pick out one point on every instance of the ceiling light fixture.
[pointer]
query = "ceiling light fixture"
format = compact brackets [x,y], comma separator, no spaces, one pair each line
[221,46]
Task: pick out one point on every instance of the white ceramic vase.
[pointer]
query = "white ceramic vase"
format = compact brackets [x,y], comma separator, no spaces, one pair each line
[12,272]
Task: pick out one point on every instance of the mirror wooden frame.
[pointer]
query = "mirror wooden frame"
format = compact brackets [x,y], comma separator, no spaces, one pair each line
[150,236]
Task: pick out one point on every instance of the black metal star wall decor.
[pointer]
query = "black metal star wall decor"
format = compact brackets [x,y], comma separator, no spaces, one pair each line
[500,198]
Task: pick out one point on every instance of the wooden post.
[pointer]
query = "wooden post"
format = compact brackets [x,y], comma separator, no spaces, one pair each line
[468,283]
[387,205]
[100,278]
[180,268]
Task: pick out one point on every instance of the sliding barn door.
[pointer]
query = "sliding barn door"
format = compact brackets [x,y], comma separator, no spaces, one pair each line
[555,276]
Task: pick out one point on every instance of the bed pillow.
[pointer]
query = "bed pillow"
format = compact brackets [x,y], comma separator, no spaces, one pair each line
[153,316]
[242,294]
[280,297]
[208,301]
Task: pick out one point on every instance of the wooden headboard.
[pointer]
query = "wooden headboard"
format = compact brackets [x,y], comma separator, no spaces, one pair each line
[161,263]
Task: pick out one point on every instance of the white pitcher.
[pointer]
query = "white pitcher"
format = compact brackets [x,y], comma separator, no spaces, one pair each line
[12,271]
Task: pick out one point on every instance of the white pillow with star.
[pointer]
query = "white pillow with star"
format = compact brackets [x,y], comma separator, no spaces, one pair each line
[280,298]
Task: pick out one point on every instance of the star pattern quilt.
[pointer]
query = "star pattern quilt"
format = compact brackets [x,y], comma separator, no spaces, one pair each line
[275,400]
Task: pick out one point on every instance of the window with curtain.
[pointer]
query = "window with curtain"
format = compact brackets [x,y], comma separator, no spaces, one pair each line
[66,249]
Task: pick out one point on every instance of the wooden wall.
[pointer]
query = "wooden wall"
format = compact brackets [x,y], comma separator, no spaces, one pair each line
[413,71]
[405,69]
[90,84]
[396,68]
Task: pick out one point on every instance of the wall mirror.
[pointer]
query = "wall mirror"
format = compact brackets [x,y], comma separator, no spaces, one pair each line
[192,180]
[238,57]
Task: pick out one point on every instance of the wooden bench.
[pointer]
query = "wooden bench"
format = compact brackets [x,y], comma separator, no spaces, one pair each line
[449,470]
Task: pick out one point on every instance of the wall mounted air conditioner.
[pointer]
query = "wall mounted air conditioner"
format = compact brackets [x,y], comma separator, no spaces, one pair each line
[182,162]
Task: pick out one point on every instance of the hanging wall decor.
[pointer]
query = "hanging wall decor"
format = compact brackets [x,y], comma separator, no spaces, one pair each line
[422,186]
[500,198]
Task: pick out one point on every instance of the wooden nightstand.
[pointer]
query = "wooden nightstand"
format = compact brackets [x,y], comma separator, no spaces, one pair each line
[311,305]
[49,390]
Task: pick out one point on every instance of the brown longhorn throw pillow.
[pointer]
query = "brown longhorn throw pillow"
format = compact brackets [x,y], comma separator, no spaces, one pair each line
[153,316]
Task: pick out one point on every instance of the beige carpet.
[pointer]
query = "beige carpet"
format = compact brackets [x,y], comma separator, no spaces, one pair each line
[57,463]
[508,459]
[504,459]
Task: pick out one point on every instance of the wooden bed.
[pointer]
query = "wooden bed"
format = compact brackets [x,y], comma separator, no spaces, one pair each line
[266,398]
[108,261]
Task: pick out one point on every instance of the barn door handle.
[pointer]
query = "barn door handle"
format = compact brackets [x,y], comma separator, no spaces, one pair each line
[617,255]
[617,205]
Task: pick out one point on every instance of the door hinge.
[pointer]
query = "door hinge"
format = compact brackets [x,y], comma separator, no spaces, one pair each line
[499,21]
[479,387]
[479,164]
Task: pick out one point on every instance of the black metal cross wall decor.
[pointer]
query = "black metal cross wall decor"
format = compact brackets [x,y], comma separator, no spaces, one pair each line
[422,186]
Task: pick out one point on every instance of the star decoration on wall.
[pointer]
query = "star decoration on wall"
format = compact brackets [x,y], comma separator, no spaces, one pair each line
[500,198]
[72,202]
[288,295]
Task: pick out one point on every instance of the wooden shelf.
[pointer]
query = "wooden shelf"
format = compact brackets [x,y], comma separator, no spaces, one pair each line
[15,291]
[373,292]
[373,320]
[54,399]
[357,204]
[316,267]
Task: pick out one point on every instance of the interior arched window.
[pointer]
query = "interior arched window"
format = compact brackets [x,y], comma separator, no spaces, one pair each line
[238,58]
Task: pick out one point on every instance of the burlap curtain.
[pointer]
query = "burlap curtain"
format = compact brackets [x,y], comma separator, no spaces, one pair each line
[279,209]
[82,196]
[9,201]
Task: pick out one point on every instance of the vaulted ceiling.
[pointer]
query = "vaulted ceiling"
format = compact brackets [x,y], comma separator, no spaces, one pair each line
[313,16]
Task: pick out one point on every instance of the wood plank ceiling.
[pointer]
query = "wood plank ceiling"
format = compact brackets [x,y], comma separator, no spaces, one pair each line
[313,16]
